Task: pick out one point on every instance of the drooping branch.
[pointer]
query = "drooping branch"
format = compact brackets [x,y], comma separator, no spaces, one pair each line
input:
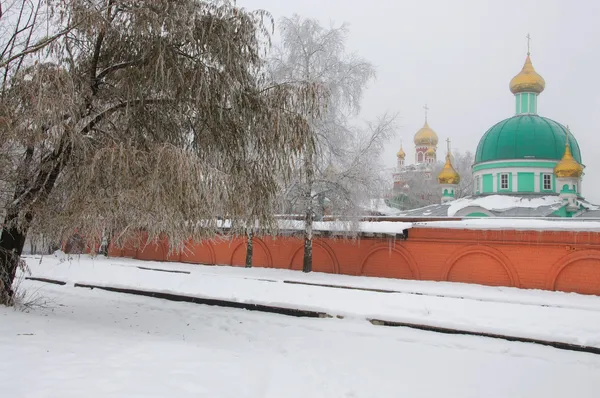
[36,47]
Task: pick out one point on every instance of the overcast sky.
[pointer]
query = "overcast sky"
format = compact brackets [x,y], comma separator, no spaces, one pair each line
[458,56]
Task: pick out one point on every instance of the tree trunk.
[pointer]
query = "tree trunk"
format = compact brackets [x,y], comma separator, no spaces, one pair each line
[104,247]
[33,245]
[307,264]
[249,249]
[309,214]
[12,241]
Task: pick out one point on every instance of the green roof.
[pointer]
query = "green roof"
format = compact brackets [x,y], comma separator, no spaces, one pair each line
[525,137]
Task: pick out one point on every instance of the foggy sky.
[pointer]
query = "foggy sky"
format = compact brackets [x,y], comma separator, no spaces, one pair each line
[458,57]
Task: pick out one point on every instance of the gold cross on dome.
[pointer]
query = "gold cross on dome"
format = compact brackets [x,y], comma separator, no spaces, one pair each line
[426,109]
[528,43]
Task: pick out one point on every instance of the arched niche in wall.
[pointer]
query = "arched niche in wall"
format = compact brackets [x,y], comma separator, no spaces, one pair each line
[578,271]
[482,265]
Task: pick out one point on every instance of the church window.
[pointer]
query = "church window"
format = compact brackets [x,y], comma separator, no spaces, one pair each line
[503,181]
[547,182]
[478,183]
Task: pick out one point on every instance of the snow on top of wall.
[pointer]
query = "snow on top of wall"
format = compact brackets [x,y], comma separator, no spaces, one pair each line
[523,224]
[381,227]
[502,202]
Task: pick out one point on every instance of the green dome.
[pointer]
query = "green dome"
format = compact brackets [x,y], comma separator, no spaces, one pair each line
[525,137]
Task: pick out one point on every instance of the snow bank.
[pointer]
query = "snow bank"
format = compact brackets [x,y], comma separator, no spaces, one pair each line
[470,291]
[571,326]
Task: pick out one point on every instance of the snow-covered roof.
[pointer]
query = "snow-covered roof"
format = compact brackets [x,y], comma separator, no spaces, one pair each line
[501,206]
[503,202]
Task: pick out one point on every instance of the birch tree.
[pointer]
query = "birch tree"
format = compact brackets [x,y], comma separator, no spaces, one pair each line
[338,168]
[127,115]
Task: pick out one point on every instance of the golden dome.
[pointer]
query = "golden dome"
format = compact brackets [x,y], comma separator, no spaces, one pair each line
[568,166]
[426,136]
[528,80]
[430,151]
[401,154]
[448,175]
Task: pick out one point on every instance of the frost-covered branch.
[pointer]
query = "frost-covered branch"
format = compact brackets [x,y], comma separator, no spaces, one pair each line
[146,116]
[340,171]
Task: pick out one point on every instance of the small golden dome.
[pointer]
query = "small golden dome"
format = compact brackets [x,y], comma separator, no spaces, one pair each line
[426,136]
[528,80]
[401,154]
[448,175]
[430,151]
[568,166]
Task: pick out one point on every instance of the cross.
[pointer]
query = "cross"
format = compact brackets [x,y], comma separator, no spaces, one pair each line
[448,141]
[426,109]
[528,42]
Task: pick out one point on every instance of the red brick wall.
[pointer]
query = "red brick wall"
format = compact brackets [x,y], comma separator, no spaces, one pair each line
[567,261]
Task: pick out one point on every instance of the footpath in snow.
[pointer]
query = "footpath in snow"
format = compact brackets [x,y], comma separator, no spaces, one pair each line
[565,318]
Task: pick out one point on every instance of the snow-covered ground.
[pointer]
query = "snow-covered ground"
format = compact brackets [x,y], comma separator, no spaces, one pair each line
[551,316]
[101,344]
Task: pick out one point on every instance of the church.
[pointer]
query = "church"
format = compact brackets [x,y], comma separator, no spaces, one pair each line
[413,183]
[525,166]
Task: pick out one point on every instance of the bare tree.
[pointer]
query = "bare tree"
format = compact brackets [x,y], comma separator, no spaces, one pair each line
[352,176]
[148,115]
[340,169]
[463,163]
